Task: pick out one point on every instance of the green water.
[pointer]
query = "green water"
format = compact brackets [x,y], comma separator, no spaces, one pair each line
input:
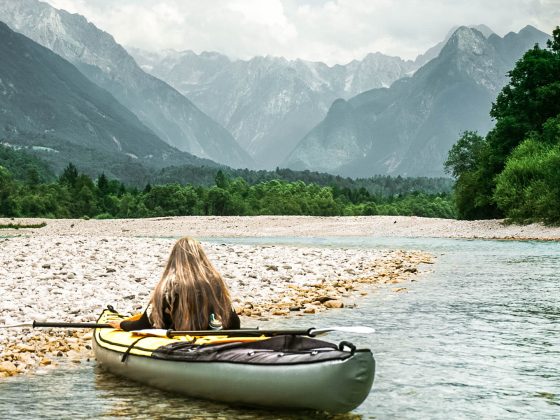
[477,337]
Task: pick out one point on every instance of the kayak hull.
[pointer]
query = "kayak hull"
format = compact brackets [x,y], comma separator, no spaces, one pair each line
[329,385]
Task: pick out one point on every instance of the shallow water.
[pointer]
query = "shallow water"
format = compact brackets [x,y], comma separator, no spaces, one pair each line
[477,336]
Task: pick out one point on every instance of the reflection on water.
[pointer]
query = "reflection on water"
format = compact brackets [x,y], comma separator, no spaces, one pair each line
[477,337]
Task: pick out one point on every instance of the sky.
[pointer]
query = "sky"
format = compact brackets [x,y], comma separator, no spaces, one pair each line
[331,31]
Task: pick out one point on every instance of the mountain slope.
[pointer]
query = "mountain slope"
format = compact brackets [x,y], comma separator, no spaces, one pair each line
[268,103]
[48,105]
[168,113]
[409,128]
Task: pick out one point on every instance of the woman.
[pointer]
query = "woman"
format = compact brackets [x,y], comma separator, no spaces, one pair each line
[191,295]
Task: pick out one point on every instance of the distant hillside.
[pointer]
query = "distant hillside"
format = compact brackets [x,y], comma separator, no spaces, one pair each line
[46,104]
[170,115]
[24,166]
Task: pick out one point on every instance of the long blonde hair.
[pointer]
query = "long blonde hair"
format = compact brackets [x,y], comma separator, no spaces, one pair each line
[193,288]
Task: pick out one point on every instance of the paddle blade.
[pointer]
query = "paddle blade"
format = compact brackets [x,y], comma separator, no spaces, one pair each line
[17,325]
[350,330]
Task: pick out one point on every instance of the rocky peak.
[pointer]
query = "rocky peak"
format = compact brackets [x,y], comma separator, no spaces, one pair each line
[467,40]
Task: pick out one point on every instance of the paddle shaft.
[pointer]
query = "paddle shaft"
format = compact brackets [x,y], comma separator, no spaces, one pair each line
[69,325]
[243,332]
[172,333]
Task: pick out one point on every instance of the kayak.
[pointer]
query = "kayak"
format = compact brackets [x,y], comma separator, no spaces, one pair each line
[284,371]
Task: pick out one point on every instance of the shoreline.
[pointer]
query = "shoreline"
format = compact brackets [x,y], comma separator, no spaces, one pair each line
[275,226]
[71,278]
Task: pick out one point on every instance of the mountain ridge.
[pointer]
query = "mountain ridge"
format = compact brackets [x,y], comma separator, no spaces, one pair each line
[170,115]
[408,128]
[47,104]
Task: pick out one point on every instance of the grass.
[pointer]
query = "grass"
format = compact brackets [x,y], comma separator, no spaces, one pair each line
[19,226]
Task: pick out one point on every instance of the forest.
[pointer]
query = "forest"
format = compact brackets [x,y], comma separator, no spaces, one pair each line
[29,189]
[514,171]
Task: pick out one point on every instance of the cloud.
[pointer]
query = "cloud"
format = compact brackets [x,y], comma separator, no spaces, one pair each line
[333,31]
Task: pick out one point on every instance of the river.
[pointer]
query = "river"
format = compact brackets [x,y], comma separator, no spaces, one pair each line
[476,336]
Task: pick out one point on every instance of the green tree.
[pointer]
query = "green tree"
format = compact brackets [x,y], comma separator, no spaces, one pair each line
[523,106]
[528,188]
[69,175]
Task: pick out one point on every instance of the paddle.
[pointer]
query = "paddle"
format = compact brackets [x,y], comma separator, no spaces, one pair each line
[36,324]
[311,332]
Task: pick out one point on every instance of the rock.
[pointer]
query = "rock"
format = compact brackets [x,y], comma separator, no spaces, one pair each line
[333,304]
[8,367]
[45,361]
[73,355]
[400,289]
[25,347]
[280,312]
[323,299]
[309,310]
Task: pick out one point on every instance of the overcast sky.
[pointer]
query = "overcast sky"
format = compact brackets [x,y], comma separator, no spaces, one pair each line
[332,31]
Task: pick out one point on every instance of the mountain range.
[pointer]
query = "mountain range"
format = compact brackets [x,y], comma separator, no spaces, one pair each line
[269,103]
[378,115]
[59,111]
[407,129]
[169,114]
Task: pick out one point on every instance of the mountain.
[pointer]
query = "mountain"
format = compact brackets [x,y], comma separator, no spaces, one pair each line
[434,51]
[268,103]
[170,115]
[408,128]
[49,106]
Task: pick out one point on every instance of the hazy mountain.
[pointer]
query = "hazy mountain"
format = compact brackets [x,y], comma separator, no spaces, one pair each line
[268,103]
[408,128]
[48,105]
[168,113]
[434,51]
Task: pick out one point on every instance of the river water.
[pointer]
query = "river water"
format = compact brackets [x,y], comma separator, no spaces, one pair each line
[477,336]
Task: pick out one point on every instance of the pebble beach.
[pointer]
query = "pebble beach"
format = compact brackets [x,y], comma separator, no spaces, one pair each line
[69,270]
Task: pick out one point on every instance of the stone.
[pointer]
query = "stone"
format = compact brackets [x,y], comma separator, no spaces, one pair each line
[400,289]
[323,299]
[332,304]
[8,367]
[280,312]
[45,361]
[309,310]
[25,347]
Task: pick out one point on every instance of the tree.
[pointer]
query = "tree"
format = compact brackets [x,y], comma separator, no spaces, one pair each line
[103,184]
[69,175]
[222,181]
[465,154]
[521,109]
[528,188]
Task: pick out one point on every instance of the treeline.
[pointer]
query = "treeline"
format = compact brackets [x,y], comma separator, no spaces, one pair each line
[75,195]
[379,185]
[24,163]
[514,171]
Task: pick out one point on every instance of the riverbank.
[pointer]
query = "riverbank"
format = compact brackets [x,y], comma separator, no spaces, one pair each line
[304,226]
[73,277]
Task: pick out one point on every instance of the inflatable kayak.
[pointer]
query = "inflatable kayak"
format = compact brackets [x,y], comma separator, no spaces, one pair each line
[288,371]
